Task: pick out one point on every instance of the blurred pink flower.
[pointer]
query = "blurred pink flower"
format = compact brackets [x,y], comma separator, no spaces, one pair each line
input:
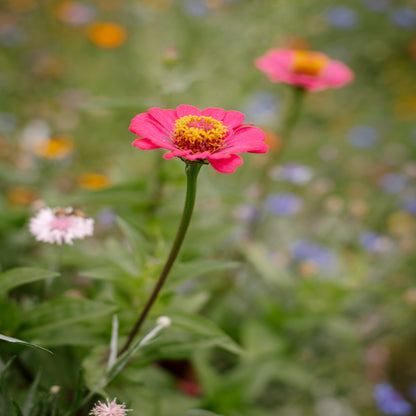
[312,71]
[109,409]
[60,225]
[212,135]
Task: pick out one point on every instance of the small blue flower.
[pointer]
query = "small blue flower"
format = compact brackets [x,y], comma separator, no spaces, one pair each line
[295,173]
[284,204]
[404,17]
[305,250]
[390,401]
[341,17]
[393,183]
[262,107]
[375,243]
[409,205]
[195,7]
[377,5]
[7,122]
[363,137]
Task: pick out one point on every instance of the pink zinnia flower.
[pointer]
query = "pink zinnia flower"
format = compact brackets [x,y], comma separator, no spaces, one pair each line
[109,409]
[212,135]
[60,225]
[312,71]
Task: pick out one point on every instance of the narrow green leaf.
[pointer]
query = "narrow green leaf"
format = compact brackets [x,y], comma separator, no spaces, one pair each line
[61,312]
[202,326]
[30,398]
[19,341]
[22,275]
[184,272]
[137,242]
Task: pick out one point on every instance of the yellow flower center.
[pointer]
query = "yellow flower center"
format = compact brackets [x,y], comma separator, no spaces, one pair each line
[308,63]
[199,134]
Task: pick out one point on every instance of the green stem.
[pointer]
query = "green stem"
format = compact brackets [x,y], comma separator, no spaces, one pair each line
[192,170]
[291,116]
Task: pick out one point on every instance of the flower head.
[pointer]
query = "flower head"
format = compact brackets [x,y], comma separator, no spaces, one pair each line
[212,135]
[312,71]
[60,225]
[109,409]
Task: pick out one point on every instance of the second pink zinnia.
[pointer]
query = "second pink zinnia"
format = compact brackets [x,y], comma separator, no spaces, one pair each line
[212,135]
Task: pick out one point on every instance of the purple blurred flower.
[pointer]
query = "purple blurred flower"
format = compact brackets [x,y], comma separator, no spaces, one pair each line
[305,250]
[404,17]
[262,107]
[293,173]
[7,122]
[375,243]
[377,5]
[195,7]
[390,401]
[409,205]
[246,212]
[341,17]
[284,204]
[393,183]
[363,137]
[11,35]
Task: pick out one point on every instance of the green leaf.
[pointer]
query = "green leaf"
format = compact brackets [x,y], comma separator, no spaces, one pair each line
[184,272]
[30,398]
[138,243]
[22,275]
[19,341]
[60,312]
[201,326]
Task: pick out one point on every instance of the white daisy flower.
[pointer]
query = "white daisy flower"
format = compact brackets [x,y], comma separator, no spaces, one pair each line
[60,225]
[109,409]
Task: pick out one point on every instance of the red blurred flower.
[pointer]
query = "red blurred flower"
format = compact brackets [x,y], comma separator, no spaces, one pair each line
[312,71]
[212,135]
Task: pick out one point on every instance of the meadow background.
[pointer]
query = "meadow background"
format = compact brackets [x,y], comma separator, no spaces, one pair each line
[315,313]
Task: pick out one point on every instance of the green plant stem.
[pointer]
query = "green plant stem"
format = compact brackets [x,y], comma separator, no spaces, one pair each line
[192,170]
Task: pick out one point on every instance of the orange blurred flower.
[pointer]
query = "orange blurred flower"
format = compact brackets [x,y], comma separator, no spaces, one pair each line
[107,34]
[93,181]
[56,148]
[272,140]
[22,195]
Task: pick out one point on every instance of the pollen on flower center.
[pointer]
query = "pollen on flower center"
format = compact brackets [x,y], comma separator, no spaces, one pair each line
[199,134]
[308,63]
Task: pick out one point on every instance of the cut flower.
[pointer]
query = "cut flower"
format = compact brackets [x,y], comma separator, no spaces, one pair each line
[60,225]
[212,135]
[312,71]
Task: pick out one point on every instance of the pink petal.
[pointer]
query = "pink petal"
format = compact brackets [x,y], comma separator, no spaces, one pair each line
[225,163]
[217,113]
[246,139]
[147,127]
[145,144]
[337,74]
[233,119]
[187,110]
[166,118]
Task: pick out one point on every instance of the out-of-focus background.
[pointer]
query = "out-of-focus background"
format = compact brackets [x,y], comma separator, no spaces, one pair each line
[323,300]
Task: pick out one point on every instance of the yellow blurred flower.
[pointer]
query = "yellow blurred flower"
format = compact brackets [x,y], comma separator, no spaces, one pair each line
[107,34]
[93,181]
[56,148]
[401,223]
[22,195]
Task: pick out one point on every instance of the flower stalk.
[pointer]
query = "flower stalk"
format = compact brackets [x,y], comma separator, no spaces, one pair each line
[192,169]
